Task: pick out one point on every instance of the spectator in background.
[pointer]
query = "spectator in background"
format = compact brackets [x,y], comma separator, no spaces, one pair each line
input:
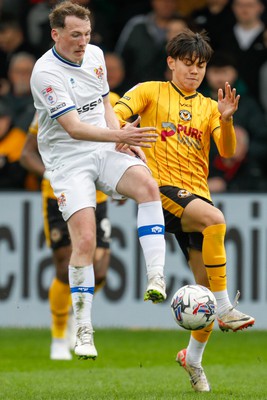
[216,18]
[12,41]
[246,41]
[263,86]
[19,97]
[123,11]
[142,43]
[245,170]
[175,25]
[187,7]
[38,26]
[115,73]
[12,175]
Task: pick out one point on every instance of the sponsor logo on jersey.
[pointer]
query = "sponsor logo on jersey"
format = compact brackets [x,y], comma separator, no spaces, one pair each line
[49,95]
[89,106]
[99,72]
[185,134]
[73,83]
[182,194]
[58,107]
[185,115]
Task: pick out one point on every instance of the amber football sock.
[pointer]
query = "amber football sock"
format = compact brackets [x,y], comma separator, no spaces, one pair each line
[59,299]
[214,257]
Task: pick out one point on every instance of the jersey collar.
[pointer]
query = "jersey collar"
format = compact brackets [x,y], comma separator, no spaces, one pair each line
[64,60]
[191,96]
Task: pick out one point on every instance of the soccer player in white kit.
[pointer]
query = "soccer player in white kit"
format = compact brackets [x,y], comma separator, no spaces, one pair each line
[83,148]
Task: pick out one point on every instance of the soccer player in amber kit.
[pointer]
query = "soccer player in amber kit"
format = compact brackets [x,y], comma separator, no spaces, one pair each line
[186,121]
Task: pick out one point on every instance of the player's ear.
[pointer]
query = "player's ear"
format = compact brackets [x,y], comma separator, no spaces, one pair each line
[171,63]
[54,34]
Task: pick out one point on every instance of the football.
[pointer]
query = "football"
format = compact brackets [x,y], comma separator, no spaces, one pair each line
[194,307]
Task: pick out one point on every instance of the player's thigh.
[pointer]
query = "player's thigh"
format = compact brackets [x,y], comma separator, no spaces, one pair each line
[174,201]
[74,187]
[199,214]
[125,175]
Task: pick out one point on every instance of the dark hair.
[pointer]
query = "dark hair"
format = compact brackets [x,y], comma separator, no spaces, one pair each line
[188,44]
[223,59]
[9,21]
[67,8]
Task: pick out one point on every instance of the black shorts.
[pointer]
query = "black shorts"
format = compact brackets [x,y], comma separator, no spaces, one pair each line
[103,226]
[174,201]
[56,229]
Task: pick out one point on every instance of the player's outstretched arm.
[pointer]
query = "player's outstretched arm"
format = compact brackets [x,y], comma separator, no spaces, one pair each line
[131,135]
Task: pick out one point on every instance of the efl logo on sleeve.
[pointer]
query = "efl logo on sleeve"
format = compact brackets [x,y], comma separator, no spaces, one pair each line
[49,95]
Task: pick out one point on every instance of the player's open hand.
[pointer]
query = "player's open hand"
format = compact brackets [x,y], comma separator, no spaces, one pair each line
[227,101]
[141,137]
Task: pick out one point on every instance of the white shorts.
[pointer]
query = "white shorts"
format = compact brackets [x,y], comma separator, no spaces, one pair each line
[75,184]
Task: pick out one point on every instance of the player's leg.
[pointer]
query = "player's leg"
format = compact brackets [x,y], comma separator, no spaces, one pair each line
[137,184]
[82,229]
[191,357]
[74,187]
[57,239]
[102,252]
[200,216]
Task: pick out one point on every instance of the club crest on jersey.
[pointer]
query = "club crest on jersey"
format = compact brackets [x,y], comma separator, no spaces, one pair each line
[185,115]
[55,235]
[99,72]
[182,194]
[61,201]
[49,95]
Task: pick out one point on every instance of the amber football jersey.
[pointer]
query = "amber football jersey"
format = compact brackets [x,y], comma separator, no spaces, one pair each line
[46,187]
[184,123]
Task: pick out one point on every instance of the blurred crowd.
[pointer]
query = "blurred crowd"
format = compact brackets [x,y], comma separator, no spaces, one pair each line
[133,36]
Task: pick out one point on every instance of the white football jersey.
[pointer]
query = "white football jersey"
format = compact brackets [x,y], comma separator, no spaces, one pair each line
[59,86]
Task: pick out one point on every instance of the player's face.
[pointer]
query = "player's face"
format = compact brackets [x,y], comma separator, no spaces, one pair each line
[71,40]
[187,74]
[217,76]
[247,11]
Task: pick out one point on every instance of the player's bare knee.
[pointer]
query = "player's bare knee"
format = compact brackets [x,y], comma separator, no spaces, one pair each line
[149,192]
[85,244]
[215,218]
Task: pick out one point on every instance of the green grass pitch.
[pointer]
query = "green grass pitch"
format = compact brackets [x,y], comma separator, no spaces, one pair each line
[132,364]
